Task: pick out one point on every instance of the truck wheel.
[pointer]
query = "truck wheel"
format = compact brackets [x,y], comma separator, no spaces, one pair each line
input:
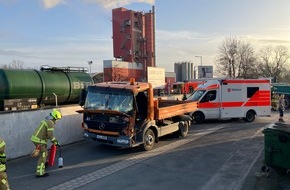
[198,117]
[148,140]
[183,128]
[250,116]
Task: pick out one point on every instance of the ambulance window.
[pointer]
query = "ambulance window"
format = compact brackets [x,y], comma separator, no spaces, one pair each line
[251,91]
[210,96]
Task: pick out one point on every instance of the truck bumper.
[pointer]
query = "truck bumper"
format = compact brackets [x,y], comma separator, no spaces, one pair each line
[121,141]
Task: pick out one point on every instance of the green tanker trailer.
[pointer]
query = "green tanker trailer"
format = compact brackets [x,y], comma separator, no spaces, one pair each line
[28,89]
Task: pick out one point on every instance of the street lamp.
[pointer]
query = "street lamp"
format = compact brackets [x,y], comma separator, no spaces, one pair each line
[90,64]
[200,59]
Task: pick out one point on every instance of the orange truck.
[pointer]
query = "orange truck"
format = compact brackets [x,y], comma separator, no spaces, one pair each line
[125,114]
[185,87]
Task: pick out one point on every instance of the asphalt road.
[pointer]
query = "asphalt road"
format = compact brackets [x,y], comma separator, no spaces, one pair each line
[217,155]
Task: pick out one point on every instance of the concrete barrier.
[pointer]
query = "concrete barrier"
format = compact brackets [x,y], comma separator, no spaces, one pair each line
[17,127]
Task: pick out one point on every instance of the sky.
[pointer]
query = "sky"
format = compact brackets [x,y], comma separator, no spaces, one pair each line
[62,33]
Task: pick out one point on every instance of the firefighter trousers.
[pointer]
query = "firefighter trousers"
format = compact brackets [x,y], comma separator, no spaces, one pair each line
[4,185]
[40,169]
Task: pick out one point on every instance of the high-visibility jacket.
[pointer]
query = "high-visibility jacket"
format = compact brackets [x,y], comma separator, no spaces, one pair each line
[44,132]
[2,155]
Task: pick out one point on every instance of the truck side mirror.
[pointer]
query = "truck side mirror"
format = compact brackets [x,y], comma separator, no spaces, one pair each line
[83,97]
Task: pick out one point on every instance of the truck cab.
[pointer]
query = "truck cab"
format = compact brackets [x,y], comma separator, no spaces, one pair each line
[125,114]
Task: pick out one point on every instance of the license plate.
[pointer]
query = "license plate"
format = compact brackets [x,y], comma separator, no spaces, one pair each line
[101,137]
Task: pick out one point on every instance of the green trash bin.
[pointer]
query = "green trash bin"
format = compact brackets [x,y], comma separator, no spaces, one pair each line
[277,145]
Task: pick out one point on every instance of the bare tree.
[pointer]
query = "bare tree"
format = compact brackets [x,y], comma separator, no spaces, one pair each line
[246,61]
[272,61]
[15,64]
[227,52]
[236,59]
[285,77]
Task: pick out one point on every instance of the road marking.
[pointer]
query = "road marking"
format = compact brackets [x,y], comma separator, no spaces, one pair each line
[99,174]
[243,178]
[238,165]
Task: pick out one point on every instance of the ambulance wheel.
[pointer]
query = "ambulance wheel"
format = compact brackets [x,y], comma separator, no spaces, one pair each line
[183,128]
[148,140]
[198,117]
[250,116]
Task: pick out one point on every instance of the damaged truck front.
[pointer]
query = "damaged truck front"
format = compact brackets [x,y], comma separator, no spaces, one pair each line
[125,114]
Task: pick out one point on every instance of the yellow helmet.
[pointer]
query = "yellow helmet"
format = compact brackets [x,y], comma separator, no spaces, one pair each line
[55,114]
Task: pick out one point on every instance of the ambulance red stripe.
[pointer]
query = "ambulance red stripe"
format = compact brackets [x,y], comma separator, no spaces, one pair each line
[245,81]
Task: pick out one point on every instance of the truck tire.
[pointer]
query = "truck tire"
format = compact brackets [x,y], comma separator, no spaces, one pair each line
[250,116]
[183,128]
[198,117]
[148,140]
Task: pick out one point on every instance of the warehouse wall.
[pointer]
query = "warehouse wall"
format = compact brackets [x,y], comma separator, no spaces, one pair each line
[17,127]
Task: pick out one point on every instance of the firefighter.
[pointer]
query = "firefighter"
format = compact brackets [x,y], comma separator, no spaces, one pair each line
[3,175]
[274,101]
[44,132]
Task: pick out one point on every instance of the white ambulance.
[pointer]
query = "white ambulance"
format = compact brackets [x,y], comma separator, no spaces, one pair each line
[232,98]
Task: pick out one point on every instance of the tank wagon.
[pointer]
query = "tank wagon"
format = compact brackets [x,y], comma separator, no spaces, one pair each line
[29,89]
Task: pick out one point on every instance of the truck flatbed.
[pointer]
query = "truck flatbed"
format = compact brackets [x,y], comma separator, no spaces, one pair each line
[169,108]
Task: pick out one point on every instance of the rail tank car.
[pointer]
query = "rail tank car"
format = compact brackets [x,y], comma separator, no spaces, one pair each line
[47,86]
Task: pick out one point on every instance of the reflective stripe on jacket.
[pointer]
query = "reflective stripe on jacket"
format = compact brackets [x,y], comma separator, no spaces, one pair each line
[2,167]
[2,154]
[44,132]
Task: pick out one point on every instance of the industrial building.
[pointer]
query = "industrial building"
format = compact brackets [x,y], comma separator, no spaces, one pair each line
[133,43]
[115,70]
[184,71]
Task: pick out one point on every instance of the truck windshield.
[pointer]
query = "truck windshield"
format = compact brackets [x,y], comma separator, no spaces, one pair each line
[101,100]
[196,95]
